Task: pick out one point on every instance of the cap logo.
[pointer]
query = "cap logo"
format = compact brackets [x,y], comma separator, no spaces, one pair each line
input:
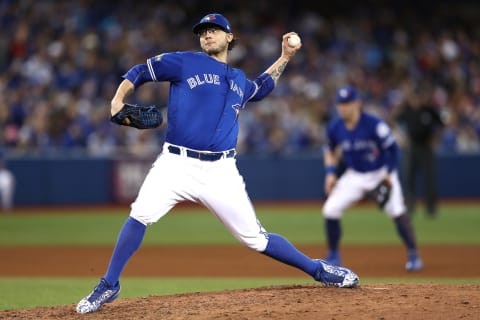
[343,93]
[210,17]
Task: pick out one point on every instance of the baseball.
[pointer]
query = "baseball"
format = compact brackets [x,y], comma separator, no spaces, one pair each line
[293,40]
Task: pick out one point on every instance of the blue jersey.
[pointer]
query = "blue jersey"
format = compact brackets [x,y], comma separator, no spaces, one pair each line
[367,147]
[205,98]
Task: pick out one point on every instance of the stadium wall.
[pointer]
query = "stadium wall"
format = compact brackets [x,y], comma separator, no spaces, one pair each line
[83,180]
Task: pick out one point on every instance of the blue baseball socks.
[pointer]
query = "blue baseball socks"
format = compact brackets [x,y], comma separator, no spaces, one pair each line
[405,230]
[280,249]
[129,240]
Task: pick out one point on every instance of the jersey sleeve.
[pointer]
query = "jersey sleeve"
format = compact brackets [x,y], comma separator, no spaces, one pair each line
[259,88]
[165,67]
[384,135]
[138,75]
[388,143]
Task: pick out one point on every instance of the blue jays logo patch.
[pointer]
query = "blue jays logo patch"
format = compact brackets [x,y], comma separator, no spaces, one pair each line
[237,108]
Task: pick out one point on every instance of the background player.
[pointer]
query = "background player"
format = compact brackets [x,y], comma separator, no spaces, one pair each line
[198,158]
[370,153]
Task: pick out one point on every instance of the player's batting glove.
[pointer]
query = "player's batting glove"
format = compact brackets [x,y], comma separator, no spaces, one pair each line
[381,193]
[140,117]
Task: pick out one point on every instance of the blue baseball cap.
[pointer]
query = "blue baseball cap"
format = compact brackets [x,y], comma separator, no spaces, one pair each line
[213,19]
[346,94]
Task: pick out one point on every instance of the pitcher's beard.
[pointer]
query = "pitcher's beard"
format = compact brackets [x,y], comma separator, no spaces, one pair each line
[213,51]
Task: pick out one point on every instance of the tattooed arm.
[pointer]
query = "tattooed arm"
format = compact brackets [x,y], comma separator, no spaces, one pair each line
[276,69]
[266,82]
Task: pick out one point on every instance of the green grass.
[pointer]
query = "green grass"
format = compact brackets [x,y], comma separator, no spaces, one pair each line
[455,224]
[302,224]
[19,293]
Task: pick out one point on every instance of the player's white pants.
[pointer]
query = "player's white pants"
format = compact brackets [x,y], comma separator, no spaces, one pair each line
[216,184]
[352,186]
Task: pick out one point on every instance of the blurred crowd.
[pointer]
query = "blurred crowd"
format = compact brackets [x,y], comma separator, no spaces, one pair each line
[61,61]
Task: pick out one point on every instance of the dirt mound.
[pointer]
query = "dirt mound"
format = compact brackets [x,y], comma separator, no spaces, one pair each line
[372,301]
[306,302]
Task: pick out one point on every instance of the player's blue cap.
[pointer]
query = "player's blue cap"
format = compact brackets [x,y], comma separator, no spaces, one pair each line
[346,94]
[215,19]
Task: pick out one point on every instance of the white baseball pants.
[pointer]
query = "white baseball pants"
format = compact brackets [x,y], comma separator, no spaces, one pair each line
[215,184]
[351,188]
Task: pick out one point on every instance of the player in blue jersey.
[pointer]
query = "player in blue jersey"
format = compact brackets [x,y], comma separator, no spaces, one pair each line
[367,148]
[198,159]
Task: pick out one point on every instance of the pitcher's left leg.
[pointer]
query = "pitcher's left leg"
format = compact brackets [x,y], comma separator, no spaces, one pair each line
[229,201]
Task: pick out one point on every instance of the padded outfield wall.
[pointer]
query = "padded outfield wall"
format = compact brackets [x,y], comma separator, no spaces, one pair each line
[84,180]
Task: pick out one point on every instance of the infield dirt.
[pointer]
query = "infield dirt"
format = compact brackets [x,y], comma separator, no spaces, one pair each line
[370,301]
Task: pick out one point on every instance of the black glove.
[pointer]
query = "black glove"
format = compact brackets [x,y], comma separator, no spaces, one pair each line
[140,117]
[381,193]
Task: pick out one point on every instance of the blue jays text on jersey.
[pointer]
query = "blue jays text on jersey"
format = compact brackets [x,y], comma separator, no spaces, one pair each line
[367,147]
[208,78]
[205,97]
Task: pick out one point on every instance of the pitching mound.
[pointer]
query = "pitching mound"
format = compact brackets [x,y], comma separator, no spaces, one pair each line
[372,301]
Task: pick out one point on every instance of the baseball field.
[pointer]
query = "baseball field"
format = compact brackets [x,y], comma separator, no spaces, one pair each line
[190,267]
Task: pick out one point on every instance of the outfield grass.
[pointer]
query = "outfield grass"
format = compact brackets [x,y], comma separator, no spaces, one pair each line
[456,224]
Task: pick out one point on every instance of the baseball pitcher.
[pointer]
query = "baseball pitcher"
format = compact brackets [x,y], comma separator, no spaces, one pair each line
[198,159]
[367,147]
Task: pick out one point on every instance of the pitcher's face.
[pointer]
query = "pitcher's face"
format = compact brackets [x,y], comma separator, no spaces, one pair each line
[214,40]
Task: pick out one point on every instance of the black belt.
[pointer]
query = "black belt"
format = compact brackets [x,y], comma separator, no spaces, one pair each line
[204,156]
